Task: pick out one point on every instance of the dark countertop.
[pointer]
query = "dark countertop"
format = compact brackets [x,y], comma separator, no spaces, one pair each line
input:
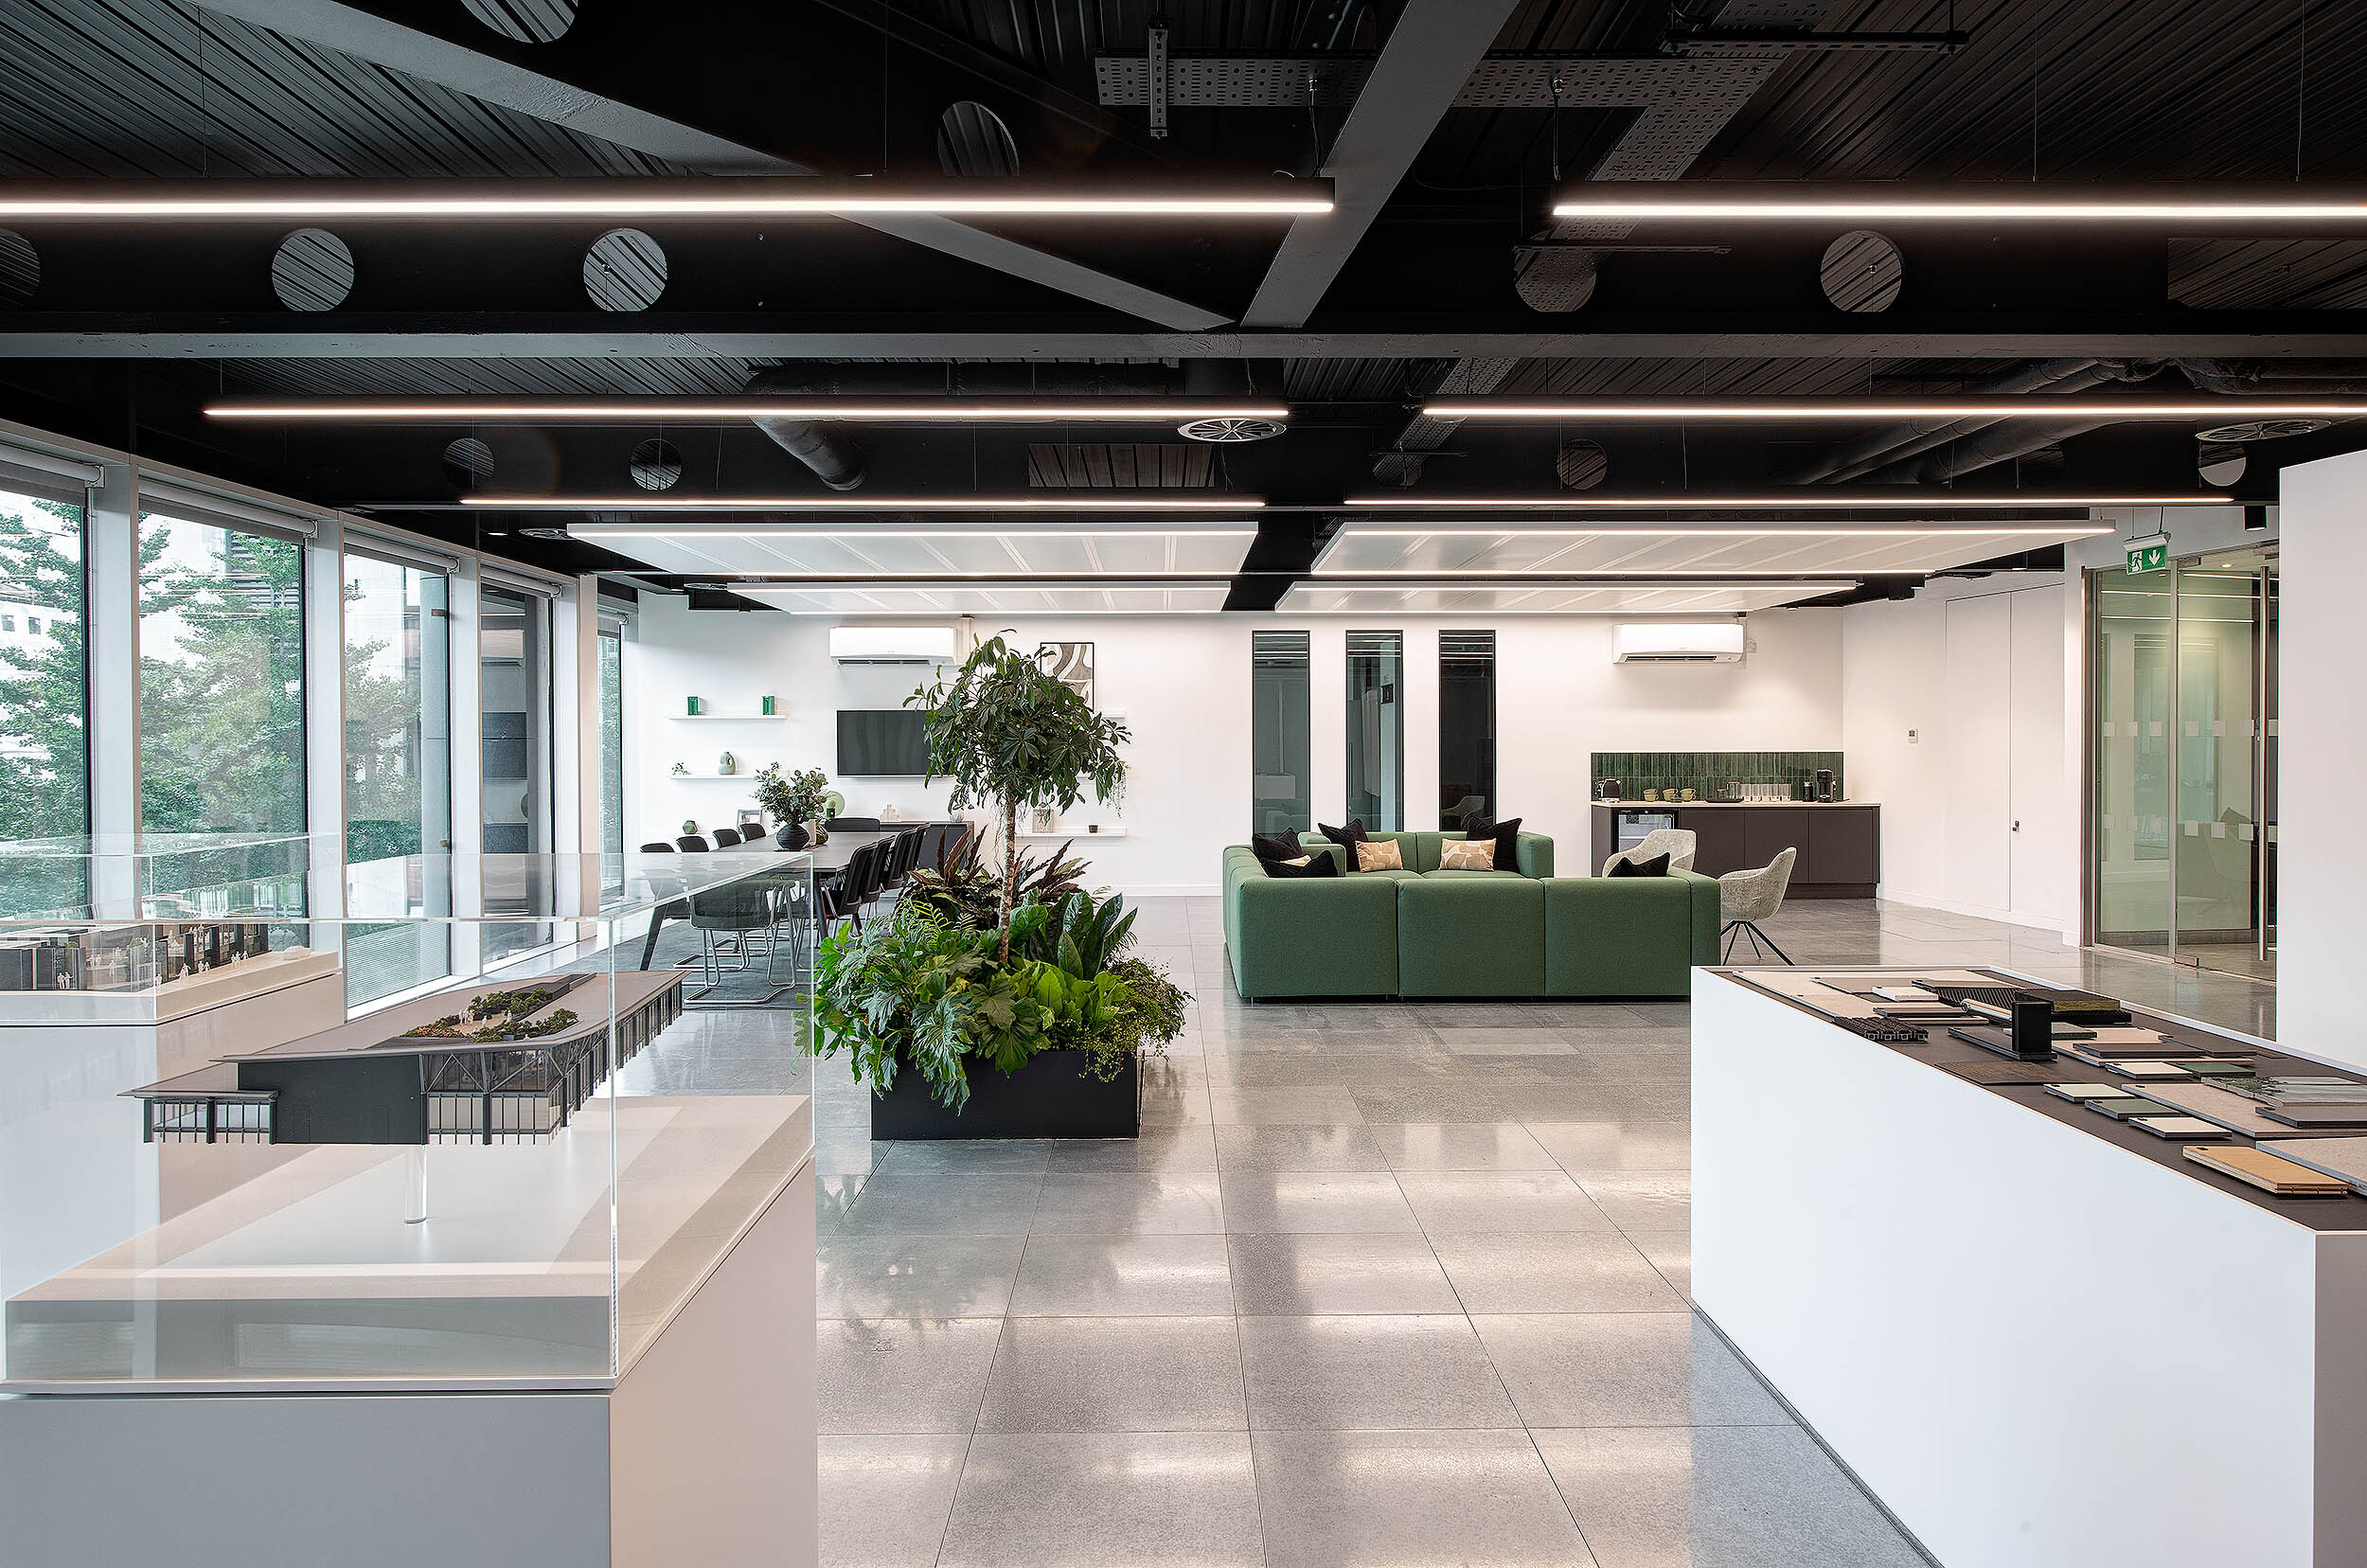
[1726,805]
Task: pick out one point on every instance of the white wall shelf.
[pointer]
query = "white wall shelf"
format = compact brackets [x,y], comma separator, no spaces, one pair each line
[712,777]
[736,718]
[1076,833]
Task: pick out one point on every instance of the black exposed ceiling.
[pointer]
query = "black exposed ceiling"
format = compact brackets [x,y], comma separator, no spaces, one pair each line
[130,330]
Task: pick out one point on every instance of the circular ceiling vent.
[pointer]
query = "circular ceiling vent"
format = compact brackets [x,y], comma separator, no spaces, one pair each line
[2263,430]
[1231,429]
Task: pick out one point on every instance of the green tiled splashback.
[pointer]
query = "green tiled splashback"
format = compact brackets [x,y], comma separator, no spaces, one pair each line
[1710,774]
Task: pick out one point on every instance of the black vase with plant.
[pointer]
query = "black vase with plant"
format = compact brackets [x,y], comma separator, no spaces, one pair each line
[794,800]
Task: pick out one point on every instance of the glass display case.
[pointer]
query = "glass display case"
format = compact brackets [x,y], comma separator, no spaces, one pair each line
[512,1176]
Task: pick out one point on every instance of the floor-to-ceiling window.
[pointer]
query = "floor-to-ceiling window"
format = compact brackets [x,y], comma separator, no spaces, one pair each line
[2182,812]
[1376,731]
[398,766]
[222,690]
[44,772]
[1281,794]
[611,651]
[514,694]
[1466,728]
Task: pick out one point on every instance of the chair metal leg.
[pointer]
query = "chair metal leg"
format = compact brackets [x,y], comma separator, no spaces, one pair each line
[1737,930]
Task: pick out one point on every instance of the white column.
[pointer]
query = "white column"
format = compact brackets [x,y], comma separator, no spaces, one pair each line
[325,725]
[111,633]
[576,718]
[1328,727]
[468,763]
[2321,857]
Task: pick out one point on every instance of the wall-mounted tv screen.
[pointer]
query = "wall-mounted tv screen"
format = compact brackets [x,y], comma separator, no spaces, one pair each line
[882,742]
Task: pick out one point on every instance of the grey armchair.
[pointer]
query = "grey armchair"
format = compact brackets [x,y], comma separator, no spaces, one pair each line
[1676,842]
[1746,898]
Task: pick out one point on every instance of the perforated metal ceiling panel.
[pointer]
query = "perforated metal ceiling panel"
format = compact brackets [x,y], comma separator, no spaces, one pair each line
[735,549]
[1322,598]
[1360,549]
[994,598]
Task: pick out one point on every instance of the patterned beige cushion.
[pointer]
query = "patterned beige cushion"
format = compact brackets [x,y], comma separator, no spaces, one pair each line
[1467,855]
[1301,861]
[1378,855]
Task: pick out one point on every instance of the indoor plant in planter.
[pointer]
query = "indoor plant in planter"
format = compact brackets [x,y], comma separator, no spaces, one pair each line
[999,1001]
[792,800]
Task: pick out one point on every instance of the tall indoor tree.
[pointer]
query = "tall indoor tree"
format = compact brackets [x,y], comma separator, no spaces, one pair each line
[1012,738]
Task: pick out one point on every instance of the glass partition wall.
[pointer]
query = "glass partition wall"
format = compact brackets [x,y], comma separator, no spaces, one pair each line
[1466,728]
[514,685]
[1376,729]
[1281,794]
[2183,831]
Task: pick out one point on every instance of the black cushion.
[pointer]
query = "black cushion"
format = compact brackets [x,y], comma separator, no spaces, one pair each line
[1318,865]
[1508,837]
[1655,866]
[1274,847]
[1346,837]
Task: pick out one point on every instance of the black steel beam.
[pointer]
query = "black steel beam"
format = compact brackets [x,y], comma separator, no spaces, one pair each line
[770,334]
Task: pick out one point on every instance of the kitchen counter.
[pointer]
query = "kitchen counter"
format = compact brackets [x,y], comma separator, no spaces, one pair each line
[1839,842]
[1724,805]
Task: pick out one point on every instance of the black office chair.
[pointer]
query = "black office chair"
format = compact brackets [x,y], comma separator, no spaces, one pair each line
[727,838]
[691,844]
[728,920]
[857,885]
[852,825]
[906,851]
[657,850]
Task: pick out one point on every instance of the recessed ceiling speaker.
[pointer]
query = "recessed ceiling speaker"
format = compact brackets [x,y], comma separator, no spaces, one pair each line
[624,270]
[973,142]
[2264,429]
[528,21]
[2221,468]
[467,461]
[20,269]
[656,465]
[1230,429]
[1581,465]
[1861,271]
[1551,278]
[312,270]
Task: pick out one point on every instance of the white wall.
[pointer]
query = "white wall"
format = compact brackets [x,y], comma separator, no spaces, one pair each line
[1895,678]
[2323,755]
[1182,685]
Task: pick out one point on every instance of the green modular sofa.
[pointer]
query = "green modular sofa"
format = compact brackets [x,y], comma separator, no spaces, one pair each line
[1428,932]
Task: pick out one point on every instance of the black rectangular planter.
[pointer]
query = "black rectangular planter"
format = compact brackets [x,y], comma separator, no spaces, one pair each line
[1050,1097]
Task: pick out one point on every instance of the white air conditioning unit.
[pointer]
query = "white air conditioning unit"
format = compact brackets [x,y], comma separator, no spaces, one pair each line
[1677,642]
[891,645]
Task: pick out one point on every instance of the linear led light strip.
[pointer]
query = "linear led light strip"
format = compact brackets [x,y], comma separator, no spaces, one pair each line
[2037,407]
[822,582]
[856,531]
[1692,577]
[1877,207]
[628,205]
[620,409]
[1465,528]
[849,503]
[1542,582]
[1916,501]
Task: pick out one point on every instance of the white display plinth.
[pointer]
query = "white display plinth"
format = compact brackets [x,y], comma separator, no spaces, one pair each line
[2039,1349]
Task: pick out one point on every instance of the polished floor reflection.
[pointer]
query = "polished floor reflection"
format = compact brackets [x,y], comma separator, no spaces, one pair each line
[1379,1284]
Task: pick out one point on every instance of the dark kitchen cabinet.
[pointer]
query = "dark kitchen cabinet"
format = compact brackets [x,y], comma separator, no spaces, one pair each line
[1840,845]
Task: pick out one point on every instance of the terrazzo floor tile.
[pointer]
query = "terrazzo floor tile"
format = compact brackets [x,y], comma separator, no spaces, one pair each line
[1113,1374]
[885,1500]
[1384,1499]
[1552,1272]
[1312,1276]
[1623,1370]
[1105,1500]
[1365,1373]
[1122,1276]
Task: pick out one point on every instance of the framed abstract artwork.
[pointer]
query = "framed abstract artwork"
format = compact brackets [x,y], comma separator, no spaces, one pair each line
[1072,664]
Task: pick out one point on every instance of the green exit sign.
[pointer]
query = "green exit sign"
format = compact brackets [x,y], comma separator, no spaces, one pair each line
[2149,556]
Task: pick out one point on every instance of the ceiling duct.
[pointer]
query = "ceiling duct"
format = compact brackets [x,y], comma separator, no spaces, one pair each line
[1223,379]
[822,446]
[2274,378]
[1887,448]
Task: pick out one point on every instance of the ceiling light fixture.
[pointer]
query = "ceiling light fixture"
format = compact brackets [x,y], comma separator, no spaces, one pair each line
[715,197]
[862,530]
[638,410]
[1447,582]
[848,503]
[1694,201]
[1464,527]
[1796,409]
[1920,500]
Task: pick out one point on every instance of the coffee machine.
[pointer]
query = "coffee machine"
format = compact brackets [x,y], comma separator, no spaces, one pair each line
[1824,789]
